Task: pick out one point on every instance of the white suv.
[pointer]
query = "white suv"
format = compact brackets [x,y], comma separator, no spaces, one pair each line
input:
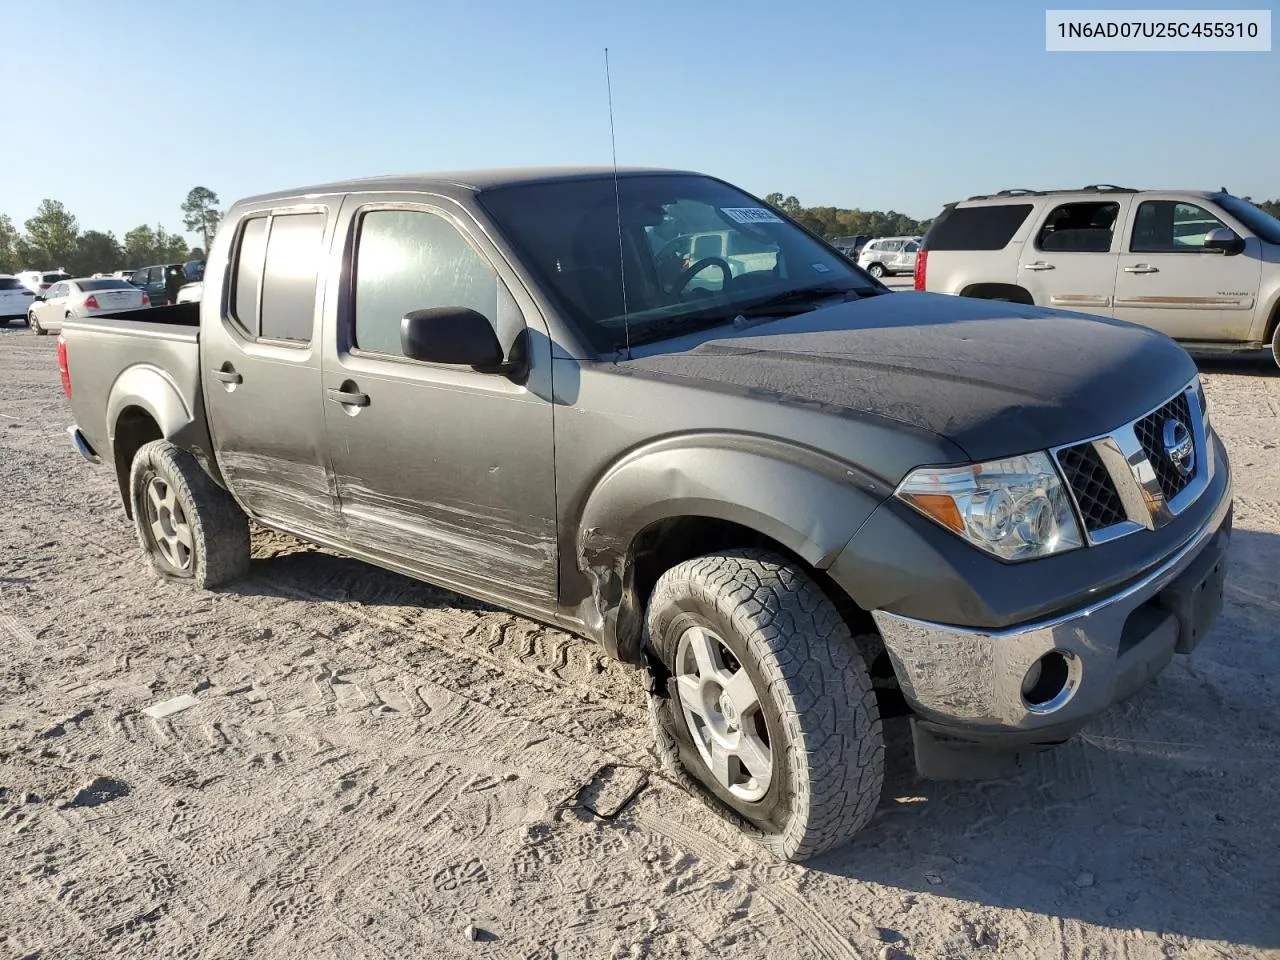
[1203,268]
[889,255]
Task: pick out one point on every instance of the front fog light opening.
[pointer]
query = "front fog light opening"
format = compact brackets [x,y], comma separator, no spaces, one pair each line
[1051,681]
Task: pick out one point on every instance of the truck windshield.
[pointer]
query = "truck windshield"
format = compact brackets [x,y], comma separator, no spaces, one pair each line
[686,252]
[1265,226]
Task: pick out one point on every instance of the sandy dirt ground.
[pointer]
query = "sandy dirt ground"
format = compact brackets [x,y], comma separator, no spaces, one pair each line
[377,768]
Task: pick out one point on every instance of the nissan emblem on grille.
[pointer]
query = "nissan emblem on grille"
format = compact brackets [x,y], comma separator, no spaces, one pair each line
[1179,447]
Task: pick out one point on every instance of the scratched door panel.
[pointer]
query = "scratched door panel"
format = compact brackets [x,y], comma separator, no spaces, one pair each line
[445,471]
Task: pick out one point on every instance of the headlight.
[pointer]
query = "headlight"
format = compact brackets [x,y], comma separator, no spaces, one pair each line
[1015,509]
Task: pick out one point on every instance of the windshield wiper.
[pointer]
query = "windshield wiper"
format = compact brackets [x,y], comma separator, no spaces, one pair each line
[780,305]
[804,298]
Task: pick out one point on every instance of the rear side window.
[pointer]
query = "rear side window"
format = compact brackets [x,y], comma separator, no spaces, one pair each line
[244,292]
[976,228]
[1079,228]
[289,276]
[410,260]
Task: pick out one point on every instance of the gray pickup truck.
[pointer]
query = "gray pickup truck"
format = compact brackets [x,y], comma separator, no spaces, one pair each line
[796,500]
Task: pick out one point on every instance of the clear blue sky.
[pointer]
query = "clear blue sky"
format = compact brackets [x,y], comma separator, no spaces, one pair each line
[901,104]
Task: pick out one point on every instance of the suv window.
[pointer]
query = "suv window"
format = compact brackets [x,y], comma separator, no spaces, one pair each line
[289,276]
[1171,226]
[977,228]
[11,283]
[1079,227]
[410,260]
[248,274]
[911,247]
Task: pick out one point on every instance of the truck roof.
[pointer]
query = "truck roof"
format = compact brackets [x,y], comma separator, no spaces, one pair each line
[470,181]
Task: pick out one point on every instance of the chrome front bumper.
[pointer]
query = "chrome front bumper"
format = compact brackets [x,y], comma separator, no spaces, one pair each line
[966,681]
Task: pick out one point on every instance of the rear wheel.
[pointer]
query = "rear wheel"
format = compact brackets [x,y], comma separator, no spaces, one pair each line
[876,270]
[768,708]
[189,527]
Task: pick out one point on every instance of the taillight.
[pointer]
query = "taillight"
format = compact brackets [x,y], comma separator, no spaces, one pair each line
[922,264]
[92,303]
[146,300]
[63,369]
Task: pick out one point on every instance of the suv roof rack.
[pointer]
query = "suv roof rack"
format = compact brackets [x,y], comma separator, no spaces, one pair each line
[1023,192]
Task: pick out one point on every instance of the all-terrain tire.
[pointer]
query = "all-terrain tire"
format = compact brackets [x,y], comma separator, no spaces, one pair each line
[813,687]
[213,523]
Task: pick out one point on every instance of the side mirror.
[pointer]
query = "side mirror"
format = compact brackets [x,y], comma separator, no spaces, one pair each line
[453,335]
[37,296]
[1222,240]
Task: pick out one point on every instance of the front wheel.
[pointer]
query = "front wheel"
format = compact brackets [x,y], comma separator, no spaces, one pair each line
[189,527]
[768,705]
[1275,345]
[876,270]
[34,325]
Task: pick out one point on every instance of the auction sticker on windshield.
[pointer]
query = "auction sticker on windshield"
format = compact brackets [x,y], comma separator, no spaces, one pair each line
[750,215]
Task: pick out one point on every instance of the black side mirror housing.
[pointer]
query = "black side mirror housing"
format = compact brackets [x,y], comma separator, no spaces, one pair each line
[1224,241]
[454,335]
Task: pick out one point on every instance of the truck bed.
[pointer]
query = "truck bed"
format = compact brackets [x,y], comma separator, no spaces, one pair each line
[146,360]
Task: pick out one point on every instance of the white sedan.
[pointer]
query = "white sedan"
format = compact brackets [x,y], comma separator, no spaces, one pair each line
[85,297]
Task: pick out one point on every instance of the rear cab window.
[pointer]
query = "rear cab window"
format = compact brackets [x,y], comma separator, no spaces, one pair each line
[277,259]
[988,227]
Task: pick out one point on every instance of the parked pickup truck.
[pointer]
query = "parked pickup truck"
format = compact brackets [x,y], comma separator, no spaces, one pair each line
[793,498]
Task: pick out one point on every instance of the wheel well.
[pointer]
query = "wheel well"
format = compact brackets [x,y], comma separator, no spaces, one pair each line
[134,428]
[666,543]
[1272,324]
[998,291]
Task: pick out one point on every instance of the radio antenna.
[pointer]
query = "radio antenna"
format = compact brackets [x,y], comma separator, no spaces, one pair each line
[617,200]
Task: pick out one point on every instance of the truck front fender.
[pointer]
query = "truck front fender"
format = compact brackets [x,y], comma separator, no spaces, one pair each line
[807,501]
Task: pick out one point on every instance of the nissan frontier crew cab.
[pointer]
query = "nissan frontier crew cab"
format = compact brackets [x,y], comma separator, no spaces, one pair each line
[775,486]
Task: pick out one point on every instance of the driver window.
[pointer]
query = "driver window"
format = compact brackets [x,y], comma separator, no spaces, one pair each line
[1166,226]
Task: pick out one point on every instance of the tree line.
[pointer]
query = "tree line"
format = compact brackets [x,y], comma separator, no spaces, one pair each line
[52,238]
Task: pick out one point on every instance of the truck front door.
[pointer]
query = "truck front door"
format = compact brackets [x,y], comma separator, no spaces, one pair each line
[441,470]
[261,367]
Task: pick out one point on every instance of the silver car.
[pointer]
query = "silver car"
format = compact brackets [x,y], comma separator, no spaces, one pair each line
[889,255]
[84,297]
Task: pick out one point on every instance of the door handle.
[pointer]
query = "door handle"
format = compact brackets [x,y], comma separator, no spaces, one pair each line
[227,376]
[1141,268]
[349,398]
[1038,265]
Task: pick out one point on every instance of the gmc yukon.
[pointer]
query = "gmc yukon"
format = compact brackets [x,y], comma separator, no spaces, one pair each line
[792,498]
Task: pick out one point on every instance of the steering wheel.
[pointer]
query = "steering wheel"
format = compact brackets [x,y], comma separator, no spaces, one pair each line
[692,271]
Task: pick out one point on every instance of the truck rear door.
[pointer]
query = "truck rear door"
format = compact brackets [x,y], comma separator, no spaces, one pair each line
[261,366]
[440,470]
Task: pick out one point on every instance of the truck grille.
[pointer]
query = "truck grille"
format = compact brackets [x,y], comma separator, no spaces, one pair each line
[1150,432]
[1128,481]
[1092,486]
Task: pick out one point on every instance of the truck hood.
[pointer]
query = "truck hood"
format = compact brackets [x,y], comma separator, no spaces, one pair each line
[997,379]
